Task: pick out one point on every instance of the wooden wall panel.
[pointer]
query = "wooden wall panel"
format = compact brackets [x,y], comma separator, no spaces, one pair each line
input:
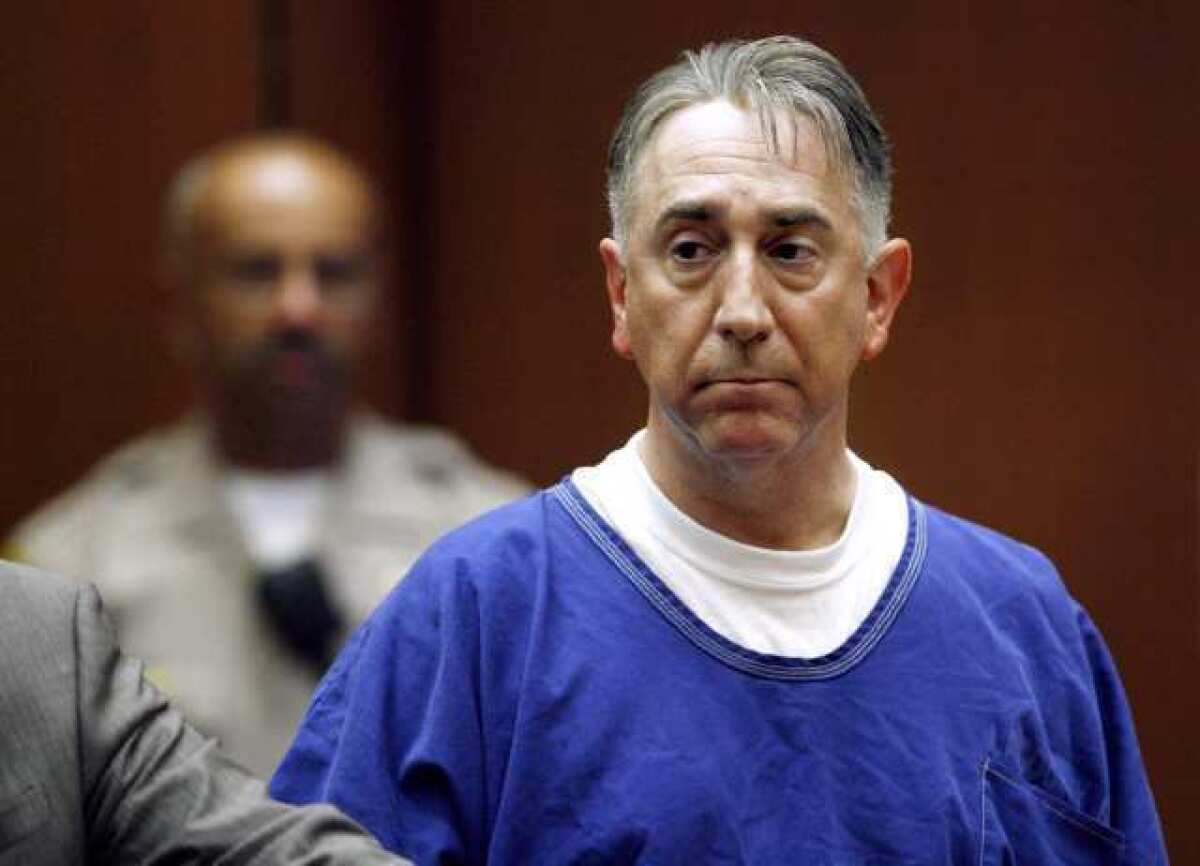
[101,102]
[1043,373]
[355,77]
[1042,377]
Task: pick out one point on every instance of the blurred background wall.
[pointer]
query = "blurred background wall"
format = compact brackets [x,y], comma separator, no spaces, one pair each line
[1042,377]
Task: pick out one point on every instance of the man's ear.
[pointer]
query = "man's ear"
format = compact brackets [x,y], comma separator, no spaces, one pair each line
[615,282]
[887,283]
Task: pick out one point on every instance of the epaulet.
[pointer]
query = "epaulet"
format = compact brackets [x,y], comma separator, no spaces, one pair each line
[52,536]
[137,463]
[430,453]
[435,458]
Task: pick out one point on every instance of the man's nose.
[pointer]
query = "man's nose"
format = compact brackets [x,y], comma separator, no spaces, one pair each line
[743,314]
[298,301]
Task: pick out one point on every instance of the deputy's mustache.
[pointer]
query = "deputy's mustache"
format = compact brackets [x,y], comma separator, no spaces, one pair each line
[290,342]
[294,340]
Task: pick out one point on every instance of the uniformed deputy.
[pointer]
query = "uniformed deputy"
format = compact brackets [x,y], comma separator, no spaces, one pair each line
[237,547]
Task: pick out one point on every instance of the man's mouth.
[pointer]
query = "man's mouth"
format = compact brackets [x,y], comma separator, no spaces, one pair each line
[741,382]
[743,393]
[296,368]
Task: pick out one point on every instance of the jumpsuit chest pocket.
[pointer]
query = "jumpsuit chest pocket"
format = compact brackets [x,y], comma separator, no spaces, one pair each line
[1021,823]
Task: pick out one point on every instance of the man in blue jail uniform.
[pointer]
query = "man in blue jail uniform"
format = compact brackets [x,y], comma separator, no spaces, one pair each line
[733,641]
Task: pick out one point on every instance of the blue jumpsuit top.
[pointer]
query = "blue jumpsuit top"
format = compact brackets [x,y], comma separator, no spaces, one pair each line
[532,694]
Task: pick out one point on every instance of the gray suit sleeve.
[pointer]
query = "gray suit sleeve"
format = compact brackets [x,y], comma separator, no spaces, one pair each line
[155,791]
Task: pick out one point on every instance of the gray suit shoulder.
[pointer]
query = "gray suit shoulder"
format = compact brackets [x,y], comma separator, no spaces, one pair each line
[37,609]
[98,767]
[30,588]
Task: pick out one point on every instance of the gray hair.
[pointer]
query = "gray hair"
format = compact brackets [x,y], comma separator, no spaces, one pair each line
[779,74]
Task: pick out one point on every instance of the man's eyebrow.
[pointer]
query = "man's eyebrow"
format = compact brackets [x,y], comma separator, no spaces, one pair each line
[686,211]
[803,217]
[800,218]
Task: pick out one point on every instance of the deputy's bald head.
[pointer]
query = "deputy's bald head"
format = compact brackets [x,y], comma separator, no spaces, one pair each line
[262,177]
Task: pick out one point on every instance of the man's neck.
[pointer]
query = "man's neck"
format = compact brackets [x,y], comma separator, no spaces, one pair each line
[797,501]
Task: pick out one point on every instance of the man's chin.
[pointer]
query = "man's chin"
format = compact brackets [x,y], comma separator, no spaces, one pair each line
[748,438]
[298,405]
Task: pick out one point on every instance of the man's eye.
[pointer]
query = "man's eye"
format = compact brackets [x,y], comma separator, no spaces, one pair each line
[337,271]
[792,252]
[255,269]
[690,251]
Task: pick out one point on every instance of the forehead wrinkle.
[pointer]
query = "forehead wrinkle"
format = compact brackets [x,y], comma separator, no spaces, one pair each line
[711,156]
[808,215]
[690,149]
[684,190]
[783,194]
